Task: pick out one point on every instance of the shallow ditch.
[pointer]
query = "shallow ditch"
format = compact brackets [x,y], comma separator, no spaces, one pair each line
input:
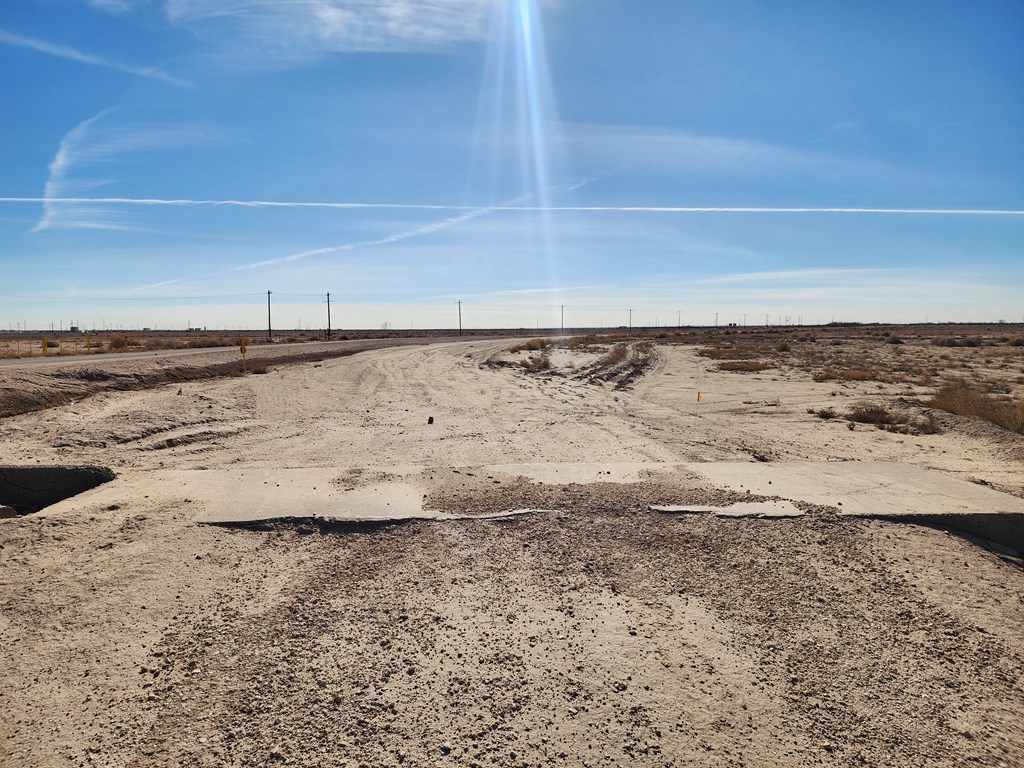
[24,490]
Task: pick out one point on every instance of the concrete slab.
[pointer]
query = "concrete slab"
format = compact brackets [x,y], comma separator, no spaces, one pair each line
[866,488]
[584,473]
[253,495]
[760,509]
[883,490]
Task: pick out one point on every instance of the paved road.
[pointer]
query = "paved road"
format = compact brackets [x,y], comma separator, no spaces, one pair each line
[254,351]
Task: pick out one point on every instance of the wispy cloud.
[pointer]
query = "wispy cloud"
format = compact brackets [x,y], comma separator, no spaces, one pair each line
[275,32]
[90,144]
[426,229]
[67,52]
[511,208]
[115,6]
[666,150]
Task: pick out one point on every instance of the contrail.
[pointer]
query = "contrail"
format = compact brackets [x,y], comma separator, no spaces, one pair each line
[393,238]
[67,52]
[512,208]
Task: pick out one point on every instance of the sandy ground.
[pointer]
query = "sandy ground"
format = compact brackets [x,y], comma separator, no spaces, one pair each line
[597,634]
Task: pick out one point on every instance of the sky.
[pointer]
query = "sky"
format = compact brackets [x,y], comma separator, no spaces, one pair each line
[165,163]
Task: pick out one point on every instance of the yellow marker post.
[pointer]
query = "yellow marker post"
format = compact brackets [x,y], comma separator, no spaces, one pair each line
[699,395]
[241,348]
[45,346]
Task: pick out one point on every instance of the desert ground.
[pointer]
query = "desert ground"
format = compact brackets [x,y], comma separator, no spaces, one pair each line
[138,628]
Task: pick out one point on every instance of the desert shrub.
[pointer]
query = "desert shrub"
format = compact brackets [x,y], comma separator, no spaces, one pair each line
[728,353]
[893,340]
[885,418]
[1018,342]
[871,413]
[843,374]
[954,342]
[117,341]
[537,363]
[586,343]
[743,365]
[783,347]
[533,345]
[823,413]
[963,399]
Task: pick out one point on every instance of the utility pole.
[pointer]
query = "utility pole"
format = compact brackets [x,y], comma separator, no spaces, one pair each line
[328,315]
[679,321]
[631,320]
[716,319]
[563,319]
[460,316]
[270,330]
[744,319]
[765,319]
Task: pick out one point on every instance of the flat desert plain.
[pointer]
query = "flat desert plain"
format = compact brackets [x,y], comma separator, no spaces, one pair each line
[497,552]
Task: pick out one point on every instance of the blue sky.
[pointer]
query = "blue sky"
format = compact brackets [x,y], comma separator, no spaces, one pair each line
[502,149]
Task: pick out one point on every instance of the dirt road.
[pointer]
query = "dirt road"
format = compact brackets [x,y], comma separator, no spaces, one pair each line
[597,634]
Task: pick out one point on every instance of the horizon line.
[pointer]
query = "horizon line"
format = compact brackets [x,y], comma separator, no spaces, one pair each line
[509,208]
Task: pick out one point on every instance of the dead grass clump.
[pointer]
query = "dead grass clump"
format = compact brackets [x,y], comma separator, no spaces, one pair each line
[748,366]
[962,399]
[892,421]
[952,341]
[533,345]
[617,354]
[870,413]
[118,342]
[843,374]
[581,341]
[823,413]
[588,343]
[728,353]
[537,363]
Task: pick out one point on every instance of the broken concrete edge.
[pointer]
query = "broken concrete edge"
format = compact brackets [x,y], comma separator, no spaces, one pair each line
[1004,530]
[30,488]
[753,509]
[325,522]
[1001,532]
